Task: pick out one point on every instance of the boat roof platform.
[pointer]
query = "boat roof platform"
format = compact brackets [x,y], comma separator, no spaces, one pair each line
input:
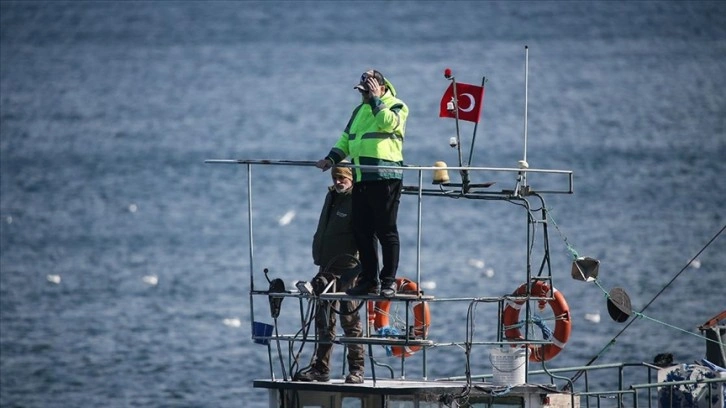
[412,394]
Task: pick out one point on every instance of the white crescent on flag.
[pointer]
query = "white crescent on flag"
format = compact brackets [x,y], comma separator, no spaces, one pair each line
[472,104]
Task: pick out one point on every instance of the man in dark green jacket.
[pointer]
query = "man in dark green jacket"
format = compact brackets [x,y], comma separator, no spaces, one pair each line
[374,137]
[335,252]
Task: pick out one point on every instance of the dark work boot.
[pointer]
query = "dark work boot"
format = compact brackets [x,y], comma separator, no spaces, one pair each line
[354,377]
[311,374]
[388,289]
[363,288]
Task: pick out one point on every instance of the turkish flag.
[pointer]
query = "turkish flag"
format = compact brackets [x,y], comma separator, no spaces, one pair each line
[470,102]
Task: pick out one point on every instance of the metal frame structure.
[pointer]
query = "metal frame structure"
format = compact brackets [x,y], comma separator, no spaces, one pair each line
[521,193]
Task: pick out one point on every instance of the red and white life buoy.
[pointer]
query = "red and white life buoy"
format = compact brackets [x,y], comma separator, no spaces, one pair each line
[379,312]
[563,323]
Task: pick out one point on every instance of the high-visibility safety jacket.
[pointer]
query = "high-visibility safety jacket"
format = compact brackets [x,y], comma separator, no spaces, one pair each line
[374,136]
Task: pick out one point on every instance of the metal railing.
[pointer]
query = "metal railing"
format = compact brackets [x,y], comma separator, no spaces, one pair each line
[520,192]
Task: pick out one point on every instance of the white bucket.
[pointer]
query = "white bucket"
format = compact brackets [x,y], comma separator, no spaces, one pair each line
[508,365]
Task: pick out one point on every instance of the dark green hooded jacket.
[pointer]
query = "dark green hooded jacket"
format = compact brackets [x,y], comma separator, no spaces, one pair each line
[334,235]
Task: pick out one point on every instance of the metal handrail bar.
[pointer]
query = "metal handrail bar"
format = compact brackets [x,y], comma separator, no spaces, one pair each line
[402,298]
[684,382]
[307,163]
[573,368]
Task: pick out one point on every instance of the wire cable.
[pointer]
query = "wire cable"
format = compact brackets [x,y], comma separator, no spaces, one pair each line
[612,341]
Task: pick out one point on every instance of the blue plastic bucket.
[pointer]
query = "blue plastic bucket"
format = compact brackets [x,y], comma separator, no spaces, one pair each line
[261,332]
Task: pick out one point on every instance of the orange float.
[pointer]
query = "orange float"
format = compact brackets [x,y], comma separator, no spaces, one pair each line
[563,323]
[379,312]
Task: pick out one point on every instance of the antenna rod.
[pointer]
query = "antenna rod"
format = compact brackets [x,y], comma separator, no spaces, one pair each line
[526,89]
[522,178]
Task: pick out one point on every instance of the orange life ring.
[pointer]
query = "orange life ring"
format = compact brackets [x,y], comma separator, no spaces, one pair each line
[563,323]
[378,313]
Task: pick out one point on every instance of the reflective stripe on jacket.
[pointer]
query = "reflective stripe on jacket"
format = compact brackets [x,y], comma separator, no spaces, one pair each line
[374,136]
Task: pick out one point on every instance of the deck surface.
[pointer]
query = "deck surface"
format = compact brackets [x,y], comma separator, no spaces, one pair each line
[390,386]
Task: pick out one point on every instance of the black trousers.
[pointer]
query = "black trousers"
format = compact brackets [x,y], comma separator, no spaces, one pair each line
[375,214]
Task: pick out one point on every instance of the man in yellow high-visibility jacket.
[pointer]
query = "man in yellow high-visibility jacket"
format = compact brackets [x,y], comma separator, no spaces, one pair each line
[374,137]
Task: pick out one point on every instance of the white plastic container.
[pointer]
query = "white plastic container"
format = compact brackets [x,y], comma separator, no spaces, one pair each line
[508,365]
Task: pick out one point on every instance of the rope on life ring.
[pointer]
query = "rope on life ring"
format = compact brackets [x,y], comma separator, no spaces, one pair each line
[563,323]
[379,312]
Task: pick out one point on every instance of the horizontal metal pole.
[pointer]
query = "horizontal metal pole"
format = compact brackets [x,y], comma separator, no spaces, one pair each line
[406,167]
[263,161]
[385,341]
[685,382]
[342,296]
[399,297]
[557,370]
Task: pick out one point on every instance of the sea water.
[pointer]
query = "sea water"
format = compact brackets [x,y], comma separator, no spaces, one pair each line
[124,264]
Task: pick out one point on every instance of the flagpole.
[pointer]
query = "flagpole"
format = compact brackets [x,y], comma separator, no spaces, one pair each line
[456,117]
[464,173]
[476,125]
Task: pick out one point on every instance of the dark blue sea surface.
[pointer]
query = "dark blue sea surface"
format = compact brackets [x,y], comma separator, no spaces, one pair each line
[124,264]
